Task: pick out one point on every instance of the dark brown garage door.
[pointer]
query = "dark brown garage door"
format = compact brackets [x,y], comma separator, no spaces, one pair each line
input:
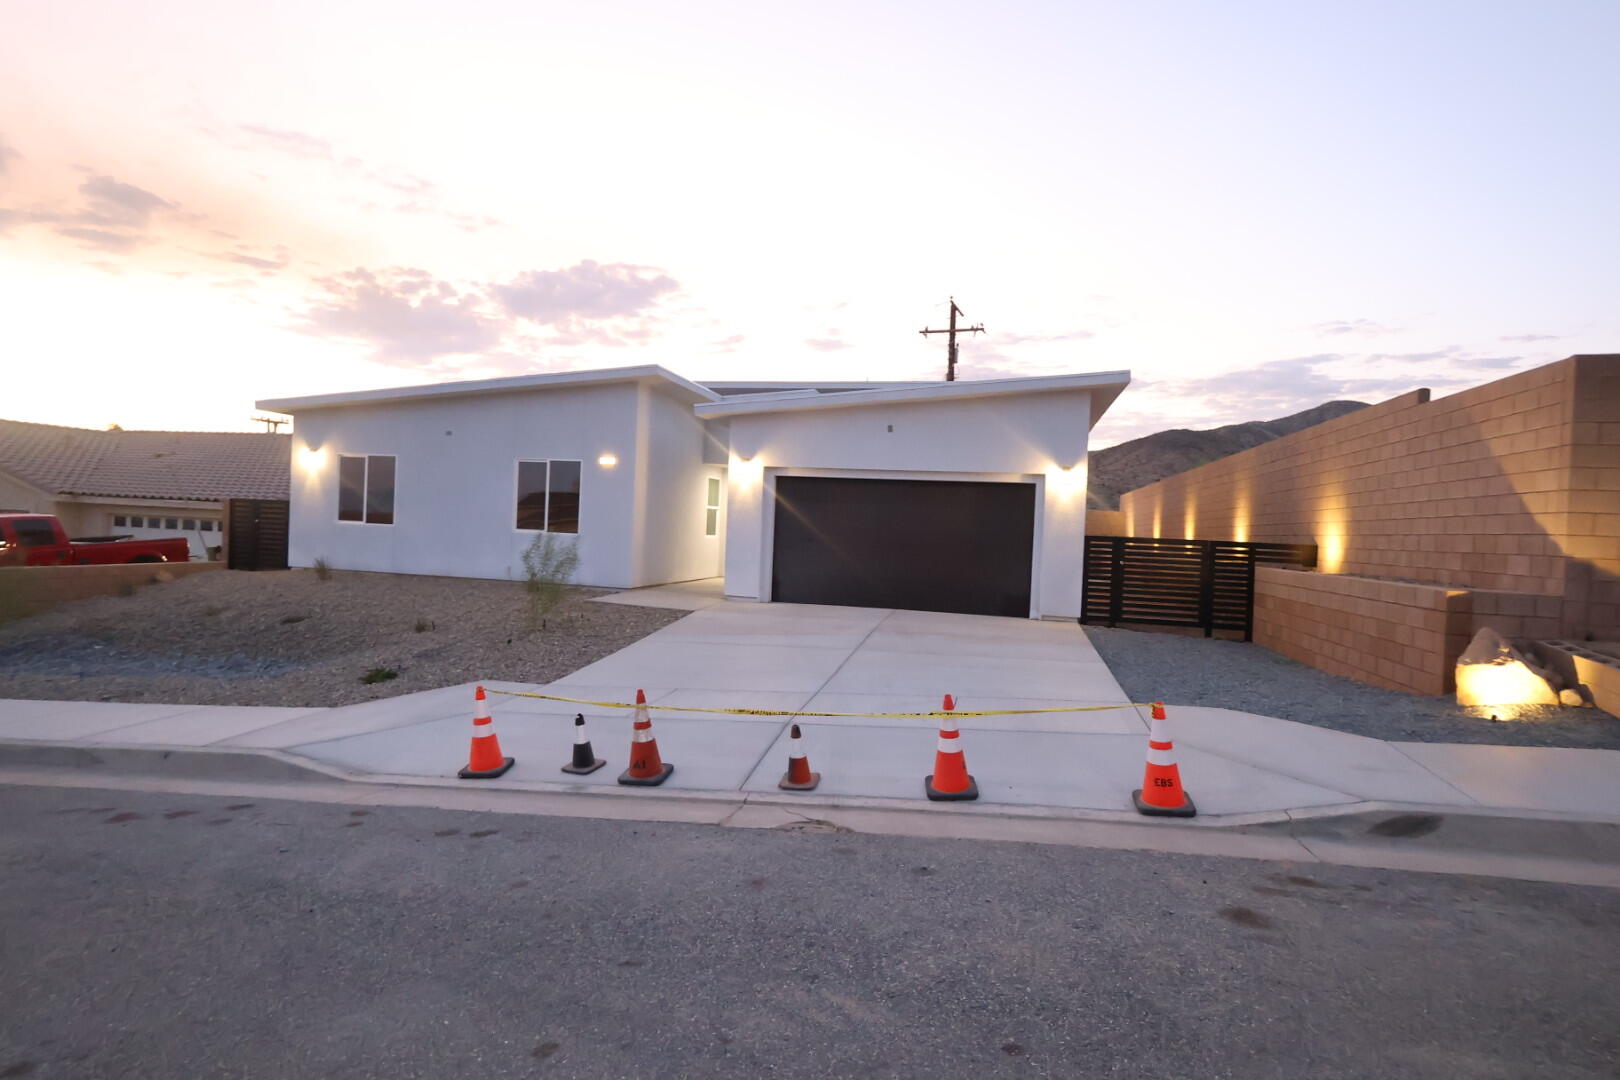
[925,545]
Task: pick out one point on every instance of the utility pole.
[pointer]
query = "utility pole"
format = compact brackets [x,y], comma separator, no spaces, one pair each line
[950,351]
[271,424]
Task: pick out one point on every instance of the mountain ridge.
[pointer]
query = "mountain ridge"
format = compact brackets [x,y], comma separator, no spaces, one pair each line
[1151,458]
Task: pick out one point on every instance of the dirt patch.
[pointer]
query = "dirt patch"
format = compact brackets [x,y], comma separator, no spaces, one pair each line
[288,638]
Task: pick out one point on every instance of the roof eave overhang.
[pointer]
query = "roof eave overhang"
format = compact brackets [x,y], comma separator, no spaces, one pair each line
[645,373]
[1105,387]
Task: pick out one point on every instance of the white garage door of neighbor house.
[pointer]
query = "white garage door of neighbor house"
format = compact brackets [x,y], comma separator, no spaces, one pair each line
[201,533]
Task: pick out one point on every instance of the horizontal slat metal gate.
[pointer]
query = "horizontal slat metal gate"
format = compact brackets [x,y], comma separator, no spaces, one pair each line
[257,534]
[1208,584]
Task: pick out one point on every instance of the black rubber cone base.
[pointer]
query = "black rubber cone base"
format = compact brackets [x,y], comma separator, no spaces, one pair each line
[809,785]
[651,781]
[583,770]
[470,773]
[970,792]
[1186,809]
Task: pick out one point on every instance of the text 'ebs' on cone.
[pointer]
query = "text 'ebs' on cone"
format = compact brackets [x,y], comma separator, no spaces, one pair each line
[1161,793]
[484,762]
[646,769]
[585,760]
[950,781]
[798,776]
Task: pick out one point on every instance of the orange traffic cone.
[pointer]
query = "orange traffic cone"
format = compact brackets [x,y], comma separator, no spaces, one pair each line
[585,760]
[646,769]
[950,781]
[1161,793]
[485,761]
[798,776]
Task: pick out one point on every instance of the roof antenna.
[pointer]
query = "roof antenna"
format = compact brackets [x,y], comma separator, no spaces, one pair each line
[950,349]
[272,426]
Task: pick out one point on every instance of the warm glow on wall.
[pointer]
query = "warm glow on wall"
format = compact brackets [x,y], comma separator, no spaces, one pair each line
[747,472]
[1189,518]
[1240,517]
[607,461]
[311,458]
[1330,549]
[1066,481]
[1158,515]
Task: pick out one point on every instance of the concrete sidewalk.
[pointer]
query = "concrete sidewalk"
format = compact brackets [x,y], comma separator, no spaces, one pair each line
[1237,766]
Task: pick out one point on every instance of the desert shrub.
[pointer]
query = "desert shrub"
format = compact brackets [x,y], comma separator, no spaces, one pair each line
[379,674]
[288,620]
[323,569]
[549,563]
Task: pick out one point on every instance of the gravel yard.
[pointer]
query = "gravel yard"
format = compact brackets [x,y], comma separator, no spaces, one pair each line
[1239,675]
[288,638]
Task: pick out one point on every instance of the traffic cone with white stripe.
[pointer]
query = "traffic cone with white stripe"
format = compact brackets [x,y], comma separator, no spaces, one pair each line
[950,781]
[484,762]
[585,760]
[1161,793]
[646,769]
[798,776]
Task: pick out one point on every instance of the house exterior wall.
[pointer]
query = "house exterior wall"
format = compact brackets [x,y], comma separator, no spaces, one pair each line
[456,480]
[1038,439]
[1513,486]
[24,498]
[675,547]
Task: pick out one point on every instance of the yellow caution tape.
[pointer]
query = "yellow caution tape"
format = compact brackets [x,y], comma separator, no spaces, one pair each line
[957,713]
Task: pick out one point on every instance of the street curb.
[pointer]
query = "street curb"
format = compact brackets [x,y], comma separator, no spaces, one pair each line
[255,764]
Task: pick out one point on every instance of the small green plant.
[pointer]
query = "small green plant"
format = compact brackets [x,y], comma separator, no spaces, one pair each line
[423,626]
[323,569]
[379,674]
[290,619]
[549,563]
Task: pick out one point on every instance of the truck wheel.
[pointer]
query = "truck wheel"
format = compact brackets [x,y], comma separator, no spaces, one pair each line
[145,558]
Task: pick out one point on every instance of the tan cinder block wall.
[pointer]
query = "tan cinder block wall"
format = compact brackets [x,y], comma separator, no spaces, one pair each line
[1105,523]
[1511,486]
[28,590]
[1398,636]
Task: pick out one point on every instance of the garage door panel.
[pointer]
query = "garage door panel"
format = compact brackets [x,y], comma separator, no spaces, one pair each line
[926,545]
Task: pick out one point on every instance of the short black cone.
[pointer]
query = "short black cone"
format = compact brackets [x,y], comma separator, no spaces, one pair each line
[584,760]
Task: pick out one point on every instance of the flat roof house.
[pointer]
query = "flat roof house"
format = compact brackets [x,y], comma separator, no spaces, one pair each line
[960,496]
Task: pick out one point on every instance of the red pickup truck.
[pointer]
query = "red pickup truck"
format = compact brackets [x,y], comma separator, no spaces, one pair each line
[40,540]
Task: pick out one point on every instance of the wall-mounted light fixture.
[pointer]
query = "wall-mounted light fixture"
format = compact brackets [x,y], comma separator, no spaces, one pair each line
[311,458]
[607,461]
[1066,481]
[746,472]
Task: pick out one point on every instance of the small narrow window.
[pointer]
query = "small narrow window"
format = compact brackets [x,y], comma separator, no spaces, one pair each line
[171,523]
[548,496]
[120,521]
[206,525]
[711,515]
[366,488]
[135,523]
[191,525]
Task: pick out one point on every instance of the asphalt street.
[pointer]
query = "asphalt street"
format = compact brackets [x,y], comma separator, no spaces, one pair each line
[161,935]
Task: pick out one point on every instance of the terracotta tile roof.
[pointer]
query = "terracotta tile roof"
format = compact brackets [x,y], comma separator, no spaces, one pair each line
[200,465]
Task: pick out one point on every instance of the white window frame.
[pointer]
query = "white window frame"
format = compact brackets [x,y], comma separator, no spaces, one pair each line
[715,485]
[517,474]
[365,489]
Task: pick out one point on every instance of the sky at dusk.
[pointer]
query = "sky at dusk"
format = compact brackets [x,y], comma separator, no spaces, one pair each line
[1255,207]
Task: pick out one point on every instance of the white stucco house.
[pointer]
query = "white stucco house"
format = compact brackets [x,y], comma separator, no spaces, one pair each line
[952,496]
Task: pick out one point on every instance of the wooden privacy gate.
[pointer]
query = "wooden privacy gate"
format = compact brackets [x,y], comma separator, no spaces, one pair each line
[256,534]
[1207,584]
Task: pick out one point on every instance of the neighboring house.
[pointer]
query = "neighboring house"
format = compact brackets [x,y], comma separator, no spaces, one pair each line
[138,483]
[961,496]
